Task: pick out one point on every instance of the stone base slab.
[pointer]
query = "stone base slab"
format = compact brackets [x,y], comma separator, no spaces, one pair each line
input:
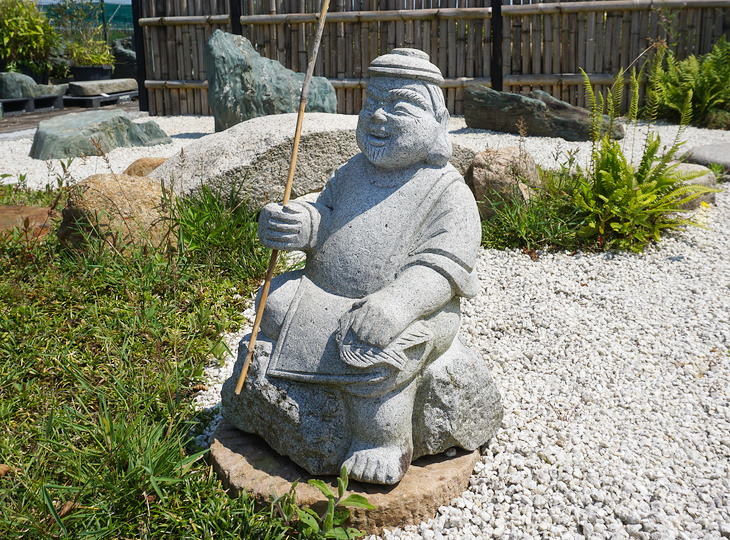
[244,462]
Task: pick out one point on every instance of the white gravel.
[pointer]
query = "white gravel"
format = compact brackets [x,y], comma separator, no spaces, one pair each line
[15,148]
[614,370]
[184,130]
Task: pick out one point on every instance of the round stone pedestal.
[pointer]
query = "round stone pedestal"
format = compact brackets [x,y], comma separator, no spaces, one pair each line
[244,462]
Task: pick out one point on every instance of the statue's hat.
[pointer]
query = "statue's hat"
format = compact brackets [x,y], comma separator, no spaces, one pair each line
[407,64]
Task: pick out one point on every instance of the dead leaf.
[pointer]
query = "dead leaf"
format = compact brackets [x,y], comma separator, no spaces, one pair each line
[4,469]
[67,508]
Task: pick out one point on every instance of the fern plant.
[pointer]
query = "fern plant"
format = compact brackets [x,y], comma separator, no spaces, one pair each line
[706,79]
[626,206]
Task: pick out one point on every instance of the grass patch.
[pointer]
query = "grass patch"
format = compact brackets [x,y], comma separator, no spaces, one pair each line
[98,357]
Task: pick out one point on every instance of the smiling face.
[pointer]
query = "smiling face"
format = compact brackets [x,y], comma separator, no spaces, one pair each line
[397,126]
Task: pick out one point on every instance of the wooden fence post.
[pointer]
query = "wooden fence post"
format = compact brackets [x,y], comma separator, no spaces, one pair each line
[496,65]
[139,51]
[234,10]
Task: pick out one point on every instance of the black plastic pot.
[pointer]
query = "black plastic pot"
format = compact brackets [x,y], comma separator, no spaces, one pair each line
[91,73]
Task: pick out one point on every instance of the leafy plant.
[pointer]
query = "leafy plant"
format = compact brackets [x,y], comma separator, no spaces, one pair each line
[79,24]
[706,79]
[624,206]
[215,228]
[27,39]
[547,219]
[330,524]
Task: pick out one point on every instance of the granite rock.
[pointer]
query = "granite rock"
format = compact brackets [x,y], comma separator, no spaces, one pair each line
[257,154]
[242,84]
[541,114]
[123,210]
[502,174]
[86,133]
[144,166]
[710,153]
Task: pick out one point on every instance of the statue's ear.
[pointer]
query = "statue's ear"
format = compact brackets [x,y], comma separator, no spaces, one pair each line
[441,151]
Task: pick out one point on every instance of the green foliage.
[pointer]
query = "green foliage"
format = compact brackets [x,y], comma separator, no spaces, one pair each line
[79,23]
[215,229]
[27,40]
[309,524]
[99,354]
[706,79]
[623,206]
[547,219]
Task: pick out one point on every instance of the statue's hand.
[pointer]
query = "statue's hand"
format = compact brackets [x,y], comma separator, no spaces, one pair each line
[285,228]
[375,320]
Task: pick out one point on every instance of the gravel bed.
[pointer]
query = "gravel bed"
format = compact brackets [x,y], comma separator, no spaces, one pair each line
[15,149]
[614,370]
[548,152]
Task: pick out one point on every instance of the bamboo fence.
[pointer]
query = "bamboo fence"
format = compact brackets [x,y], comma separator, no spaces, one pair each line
[545,45]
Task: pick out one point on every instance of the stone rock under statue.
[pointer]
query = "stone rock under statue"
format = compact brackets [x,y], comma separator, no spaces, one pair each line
[359,362]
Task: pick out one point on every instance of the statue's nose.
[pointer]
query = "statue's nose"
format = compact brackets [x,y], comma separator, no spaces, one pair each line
[379,115]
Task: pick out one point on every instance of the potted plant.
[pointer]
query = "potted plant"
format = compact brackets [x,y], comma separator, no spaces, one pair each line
[91,60]
[78,23]
[27,40]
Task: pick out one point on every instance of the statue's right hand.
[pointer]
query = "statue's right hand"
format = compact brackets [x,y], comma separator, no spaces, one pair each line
[285,228]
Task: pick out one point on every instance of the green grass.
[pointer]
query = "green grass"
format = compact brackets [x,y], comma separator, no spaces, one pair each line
[98,357]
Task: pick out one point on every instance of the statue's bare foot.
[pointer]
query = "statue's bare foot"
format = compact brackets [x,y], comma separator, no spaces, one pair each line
[381,465]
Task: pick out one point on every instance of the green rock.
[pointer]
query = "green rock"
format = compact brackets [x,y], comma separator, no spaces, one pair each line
[243,85]
[71,135]
[17,85]
[539,114]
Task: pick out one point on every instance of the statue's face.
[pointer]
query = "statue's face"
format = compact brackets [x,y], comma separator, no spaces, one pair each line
[397,126]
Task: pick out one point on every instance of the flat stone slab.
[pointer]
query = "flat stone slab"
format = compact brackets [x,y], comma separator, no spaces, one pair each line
[41,220]
[97,88]
[710,153]
[245,462]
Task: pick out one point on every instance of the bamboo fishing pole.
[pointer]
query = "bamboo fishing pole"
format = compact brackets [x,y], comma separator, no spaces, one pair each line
[287,193]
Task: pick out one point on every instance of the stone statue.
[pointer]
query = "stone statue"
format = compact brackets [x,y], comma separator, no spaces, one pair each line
[360,363]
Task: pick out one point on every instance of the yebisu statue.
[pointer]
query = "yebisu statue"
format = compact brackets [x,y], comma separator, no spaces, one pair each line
[359,362]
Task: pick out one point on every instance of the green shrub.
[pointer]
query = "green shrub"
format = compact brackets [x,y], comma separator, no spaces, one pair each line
[623,206]
[706,79]
[27,39]
[547,219]
[79,24]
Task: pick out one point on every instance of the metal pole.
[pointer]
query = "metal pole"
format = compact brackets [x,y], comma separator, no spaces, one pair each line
[497,35]
[139,52]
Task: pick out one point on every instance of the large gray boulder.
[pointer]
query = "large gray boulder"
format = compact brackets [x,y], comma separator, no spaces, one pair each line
[542,114]
[17,85]
[243,85]
[84,134]
[255,156]
[708,154]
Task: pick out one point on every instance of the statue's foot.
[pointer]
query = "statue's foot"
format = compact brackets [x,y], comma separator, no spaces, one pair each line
[382,465]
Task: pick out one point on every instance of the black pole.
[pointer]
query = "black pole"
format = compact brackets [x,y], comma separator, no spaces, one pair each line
[497,20]
[144,104]
[235,14]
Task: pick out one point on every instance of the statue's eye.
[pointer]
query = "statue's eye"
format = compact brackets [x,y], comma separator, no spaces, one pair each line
[405,109]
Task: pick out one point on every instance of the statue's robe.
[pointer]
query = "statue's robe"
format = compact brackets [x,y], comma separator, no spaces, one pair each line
[363,237]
